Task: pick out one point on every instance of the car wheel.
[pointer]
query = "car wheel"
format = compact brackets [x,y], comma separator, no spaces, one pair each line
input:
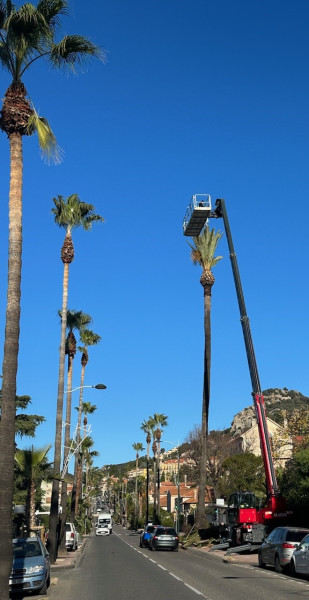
[261,563]
[278,567]
[43,590]
[292,569]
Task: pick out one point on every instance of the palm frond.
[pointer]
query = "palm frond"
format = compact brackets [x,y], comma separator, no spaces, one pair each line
[50,150]
[51,11]
[205,245]
[74,50]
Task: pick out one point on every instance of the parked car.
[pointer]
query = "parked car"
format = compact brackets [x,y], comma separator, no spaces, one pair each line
[278,547]
[71,537]
[300,558]
[164,537]
[102,529]
[31,566]
[146,535]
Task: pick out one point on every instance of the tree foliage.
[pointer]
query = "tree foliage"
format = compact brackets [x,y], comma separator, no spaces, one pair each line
[243,472]
[25,424]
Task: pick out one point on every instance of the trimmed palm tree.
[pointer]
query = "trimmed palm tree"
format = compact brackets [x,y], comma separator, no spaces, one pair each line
[87,409]
[147,428]
[33,465]
[160,421]
[26,35]
[88,338]
[69,213]
[203,254]
[76,320]
[138,447]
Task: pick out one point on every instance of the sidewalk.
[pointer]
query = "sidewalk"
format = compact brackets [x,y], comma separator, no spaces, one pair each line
[72,559]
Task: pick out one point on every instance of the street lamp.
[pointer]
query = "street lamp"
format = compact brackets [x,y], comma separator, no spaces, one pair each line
[178,482]
[98,386]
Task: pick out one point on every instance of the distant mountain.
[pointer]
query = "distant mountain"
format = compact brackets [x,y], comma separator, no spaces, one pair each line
[276,401]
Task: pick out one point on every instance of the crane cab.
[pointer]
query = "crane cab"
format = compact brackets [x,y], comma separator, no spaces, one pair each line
[197,214]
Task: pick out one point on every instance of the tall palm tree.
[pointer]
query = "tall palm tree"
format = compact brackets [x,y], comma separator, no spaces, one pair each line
[87,409]
[88,338]
[160,421]
[69,214]
[26,35]
[147,427]
[202,253]
[76,320]
[33,464]
[138,447]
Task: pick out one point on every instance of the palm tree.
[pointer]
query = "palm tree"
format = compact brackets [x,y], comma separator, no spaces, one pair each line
[76,320]
[202,253]
[32,463]
[138,447]
[69,214]
[147,427]
[26,35]
[88,338]
[87,409]
[159,420]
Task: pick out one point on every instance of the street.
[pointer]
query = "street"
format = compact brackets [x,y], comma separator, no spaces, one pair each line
[116,567]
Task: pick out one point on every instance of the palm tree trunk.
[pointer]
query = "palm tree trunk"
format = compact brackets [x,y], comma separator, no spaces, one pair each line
[32,504]
[155,490]
[158,478]
[54,508]
[67,429]
[75,490]
[201,517]
[10,362]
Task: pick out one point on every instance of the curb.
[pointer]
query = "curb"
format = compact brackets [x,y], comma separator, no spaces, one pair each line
[70,563]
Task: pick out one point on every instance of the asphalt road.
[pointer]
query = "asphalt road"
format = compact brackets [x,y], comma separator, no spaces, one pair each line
[114,567]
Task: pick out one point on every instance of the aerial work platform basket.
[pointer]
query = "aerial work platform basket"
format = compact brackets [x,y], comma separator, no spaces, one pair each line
[197,214]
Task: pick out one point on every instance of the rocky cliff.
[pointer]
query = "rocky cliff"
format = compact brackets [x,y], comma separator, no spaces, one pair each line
[276,401]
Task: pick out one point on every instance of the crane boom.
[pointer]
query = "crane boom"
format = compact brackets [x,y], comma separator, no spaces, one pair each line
[271,480]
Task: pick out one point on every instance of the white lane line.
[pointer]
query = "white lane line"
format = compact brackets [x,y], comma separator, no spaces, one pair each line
[151,560]
[194,589]
[175,576]
[161,567]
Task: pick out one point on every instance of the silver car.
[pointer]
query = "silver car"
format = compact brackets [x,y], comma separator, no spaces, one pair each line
[300,558]
[278,547]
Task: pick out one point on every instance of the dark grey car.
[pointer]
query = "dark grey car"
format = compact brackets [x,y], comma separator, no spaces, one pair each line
[164,537]
[278,547]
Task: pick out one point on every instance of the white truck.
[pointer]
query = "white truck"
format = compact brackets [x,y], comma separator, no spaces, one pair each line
[105,518]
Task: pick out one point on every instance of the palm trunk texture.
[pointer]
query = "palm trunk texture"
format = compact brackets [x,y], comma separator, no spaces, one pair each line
[54,508]
[201,516]
[75,490]
[10,363]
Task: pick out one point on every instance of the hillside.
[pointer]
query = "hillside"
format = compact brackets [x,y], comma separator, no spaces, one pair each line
[276,401]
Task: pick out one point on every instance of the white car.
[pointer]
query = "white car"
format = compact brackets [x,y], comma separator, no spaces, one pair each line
[71,537]
[102,529]
[300,558]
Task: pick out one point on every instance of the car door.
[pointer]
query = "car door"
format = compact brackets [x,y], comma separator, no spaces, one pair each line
[302,556]
[266,551]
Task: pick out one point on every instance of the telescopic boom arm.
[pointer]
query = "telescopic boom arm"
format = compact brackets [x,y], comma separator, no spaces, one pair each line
[271,481]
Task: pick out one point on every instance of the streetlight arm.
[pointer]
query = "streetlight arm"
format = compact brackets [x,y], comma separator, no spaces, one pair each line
[98,386]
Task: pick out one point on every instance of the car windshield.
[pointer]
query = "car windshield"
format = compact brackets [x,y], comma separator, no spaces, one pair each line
[22,549]
[165,531]
[150,529]
[295,536]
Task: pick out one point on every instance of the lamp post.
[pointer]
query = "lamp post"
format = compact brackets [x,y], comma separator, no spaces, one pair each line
[178,482]
[54,525]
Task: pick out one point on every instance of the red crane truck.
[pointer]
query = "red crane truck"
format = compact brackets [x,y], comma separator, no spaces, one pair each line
[248,522]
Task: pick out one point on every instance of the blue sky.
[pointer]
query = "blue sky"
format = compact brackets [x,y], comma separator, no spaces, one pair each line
[206,96]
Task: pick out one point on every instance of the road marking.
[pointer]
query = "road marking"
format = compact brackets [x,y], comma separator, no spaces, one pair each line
[194,589]
[175,576]
[161,567]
